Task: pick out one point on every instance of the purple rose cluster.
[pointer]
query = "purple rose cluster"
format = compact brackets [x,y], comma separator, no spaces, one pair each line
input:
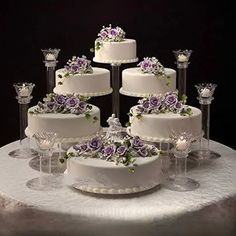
[152,65]
[168,102]
[70,103]
[110,34]
[119,152]
[78,65]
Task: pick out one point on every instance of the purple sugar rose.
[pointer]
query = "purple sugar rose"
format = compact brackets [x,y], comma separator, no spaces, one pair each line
[72,102]
[82,106]
[155,102]
[95,143]
[171,100]
[109,151]
[178,105]
[60,99]
[121,150]
[146,104]
[74,68]
[113,32]
[143,152]
[84,147]
[50,105]
[137,143]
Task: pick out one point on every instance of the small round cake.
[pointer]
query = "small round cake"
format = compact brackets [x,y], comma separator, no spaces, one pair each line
[90,84]
[80,77]
[156,118]
[114,163]
[149,78]
[111,46]
[69,123]
[138,84]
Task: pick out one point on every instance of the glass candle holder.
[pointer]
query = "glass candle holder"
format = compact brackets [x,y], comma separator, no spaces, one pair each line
[180,182]
[115,79]
[23,91]
[45,142]
[50,61]
[182,61]
[205,97]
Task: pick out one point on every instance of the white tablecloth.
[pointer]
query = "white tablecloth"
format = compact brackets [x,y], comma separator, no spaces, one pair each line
[209,210]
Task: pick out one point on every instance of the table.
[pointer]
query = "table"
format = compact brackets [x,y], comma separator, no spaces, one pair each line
[209,210]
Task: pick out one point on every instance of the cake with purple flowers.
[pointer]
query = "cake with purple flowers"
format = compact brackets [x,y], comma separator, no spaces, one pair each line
[78,76]
[150,77]
[111,46]
[114,163]
[70,116]
[155,118]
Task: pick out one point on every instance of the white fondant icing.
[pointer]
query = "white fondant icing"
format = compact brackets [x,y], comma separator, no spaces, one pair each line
[88,84]
[159,127]
[67,126]
[117,52]
[100,176]
[137,83]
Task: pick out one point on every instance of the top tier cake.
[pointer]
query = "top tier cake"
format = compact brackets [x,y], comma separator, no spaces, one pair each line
[78,76]
[111,46]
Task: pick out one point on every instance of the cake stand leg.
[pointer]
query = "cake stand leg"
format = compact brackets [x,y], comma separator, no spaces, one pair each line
[115,78]
[182,75]
[50,75]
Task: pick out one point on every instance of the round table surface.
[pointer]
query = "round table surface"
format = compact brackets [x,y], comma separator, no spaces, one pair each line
[217,183]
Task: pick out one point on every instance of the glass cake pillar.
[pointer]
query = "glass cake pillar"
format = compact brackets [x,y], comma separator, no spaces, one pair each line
[23,97]
[115,79]
[205,97]
[50,61]
[180,182]
[182,61]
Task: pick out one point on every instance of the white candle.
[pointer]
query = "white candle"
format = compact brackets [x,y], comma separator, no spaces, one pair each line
[206,93]
[45,145]
[182,58]
[24,91]
[181,144]
[50,57]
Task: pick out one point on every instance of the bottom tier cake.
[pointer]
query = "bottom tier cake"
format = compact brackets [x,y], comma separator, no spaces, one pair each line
[99,176]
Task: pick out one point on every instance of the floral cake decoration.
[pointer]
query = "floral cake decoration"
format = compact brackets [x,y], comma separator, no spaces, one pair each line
[65,104]
[109,34]
[115,146]
[152,65]
[75,66]
[168,102]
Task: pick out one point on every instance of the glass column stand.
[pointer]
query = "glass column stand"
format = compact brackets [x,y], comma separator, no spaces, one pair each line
[205,97]
[50,60]
[115,79]
[23,91]
[182,61]
[180,182]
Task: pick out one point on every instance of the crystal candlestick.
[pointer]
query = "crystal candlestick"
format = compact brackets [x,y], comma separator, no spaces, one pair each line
[50,60]
[180,182]
[24,91]
[115,75]
[182,61]
[205,97]
[45,142]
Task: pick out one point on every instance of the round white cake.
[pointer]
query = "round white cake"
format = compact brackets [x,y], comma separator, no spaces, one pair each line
[96,83]
[100,176]
[159,127]
[139,84]
[67,126]
[116,52]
